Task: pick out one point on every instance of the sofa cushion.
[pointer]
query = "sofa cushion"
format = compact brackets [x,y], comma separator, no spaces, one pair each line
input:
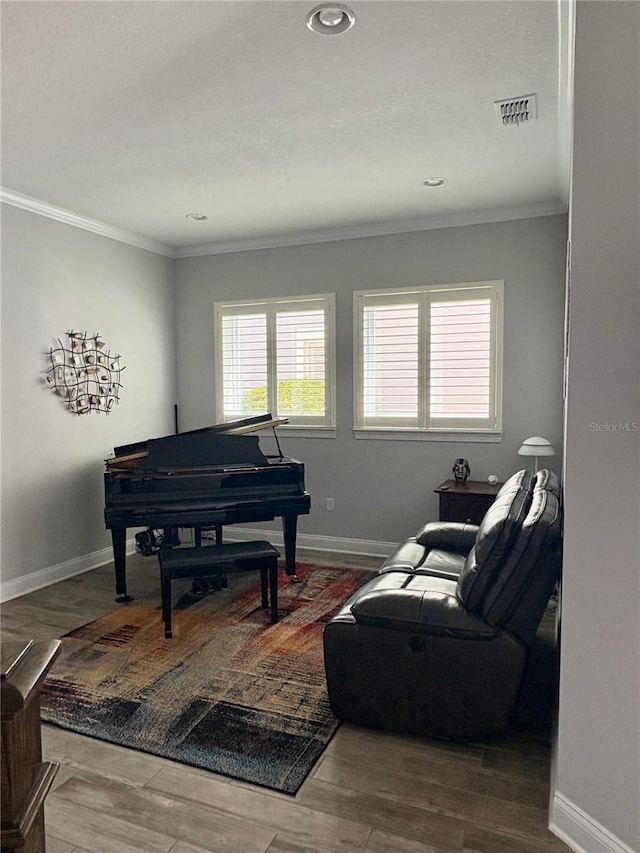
[495,536]
[412,557]
[406,557]
[418,604]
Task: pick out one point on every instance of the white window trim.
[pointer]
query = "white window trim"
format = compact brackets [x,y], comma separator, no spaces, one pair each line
[393,434]
[421,432]
[269,306]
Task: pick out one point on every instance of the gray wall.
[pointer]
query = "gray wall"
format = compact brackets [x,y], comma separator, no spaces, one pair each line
[598,747]
[383,490]
[55,278]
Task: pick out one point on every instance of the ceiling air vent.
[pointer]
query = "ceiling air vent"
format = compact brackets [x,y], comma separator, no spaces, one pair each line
[516,111]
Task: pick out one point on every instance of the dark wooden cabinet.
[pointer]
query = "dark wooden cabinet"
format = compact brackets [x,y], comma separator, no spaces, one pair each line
[26,779]
[466,501]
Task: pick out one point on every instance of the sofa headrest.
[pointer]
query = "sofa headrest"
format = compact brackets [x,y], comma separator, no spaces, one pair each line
[527,567]
[549,480]
[493,542]
[521,479]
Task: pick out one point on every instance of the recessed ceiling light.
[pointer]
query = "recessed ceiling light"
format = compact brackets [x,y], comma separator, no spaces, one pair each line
[197,217]
[330,20]
[434,182]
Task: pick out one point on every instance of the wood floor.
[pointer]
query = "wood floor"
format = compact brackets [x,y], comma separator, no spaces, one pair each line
[370,791]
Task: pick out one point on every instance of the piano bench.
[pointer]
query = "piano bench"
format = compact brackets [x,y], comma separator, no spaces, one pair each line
[219,559]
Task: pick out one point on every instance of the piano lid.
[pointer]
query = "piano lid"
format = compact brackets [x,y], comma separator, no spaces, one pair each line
[202,450]
[244,425]
[203,447]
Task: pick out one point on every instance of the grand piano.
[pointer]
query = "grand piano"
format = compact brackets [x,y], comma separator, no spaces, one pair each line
[202,479]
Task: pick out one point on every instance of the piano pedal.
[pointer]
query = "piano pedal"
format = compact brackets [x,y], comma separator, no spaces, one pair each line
[201,586]
[146,543]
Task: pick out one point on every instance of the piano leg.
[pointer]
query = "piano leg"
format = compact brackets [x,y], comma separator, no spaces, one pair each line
[170,536]
[119,542]
[197,535]
[289,528]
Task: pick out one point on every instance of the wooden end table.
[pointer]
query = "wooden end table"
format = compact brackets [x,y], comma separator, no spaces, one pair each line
[466,502]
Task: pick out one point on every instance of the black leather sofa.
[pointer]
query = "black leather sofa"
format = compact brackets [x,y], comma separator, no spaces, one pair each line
[437,642]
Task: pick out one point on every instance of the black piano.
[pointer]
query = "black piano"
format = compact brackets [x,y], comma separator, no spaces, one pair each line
[202,479]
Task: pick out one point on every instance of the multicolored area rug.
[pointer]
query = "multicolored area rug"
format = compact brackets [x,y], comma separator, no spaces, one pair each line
[230,693]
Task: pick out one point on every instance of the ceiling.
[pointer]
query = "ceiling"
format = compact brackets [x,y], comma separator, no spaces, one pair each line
[133,114]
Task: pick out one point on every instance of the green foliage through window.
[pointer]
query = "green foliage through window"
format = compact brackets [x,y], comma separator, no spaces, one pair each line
[295,397]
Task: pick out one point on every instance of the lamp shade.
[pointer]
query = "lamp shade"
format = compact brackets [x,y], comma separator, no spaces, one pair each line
[536,446]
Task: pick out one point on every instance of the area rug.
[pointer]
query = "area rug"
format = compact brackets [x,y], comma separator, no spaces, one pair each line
[230,693]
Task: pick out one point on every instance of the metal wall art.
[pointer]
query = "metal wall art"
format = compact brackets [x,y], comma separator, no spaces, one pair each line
[84,373]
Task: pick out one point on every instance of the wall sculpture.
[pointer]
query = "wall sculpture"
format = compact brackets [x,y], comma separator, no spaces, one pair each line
[85,374]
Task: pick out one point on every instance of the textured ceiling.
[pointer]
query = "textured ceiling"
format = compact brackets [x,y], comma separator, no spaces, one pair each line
[137,113]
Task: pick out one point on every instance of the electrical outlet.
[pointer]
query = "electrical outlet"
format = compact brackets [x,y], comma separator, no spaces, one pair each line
[329,504]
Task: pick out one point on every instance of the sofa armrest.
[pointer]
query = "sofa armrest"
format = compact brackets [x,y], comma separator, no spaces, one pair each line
[449,535]
[434,611]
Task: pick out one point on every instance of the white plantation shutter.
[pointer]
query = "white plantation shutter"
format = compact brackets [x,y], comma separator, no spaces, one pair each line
[276,356]
[390,364]
[460,359]
[429,358]
[300,355]
[244,365]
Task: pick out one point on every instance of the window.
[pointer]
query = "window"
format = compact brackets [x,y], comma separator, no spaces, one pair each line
[429,358]
[276,355]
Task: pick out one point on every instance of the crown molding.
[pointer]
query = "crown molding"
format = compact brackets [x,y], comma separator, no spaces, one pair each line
[42,208]
[382,229]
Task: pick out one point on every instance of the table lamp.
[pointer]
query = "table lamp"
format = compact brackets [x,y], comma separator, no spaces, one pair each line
[536,446]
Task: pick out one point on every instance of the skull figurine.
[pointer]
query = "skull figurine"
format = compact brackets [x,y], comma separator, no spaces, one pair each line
[461,470]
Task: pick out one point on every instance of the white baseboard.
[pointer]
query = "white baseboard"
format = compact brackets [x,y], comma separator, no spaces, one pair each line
[580,831]
[333,544]
[45,577]
[60,572]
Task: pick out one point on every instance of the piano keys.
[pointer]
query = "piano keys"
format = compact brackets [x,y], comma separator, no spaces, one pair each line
[205,478]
